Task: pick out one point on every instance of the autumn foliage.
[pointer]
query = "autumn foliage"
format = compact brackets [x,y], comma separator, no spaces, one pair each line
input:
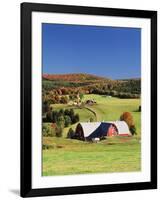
[73,77]
[128,118]
[70,84]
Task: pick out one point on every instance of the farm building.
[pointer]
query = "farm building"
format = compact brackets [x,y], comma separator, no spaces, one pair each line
[90,130]
[90,102]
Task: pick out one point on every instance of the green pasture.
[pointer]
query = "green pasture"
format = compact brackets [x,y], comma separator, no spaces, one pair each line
[77,157]
[106,109]
[116,154]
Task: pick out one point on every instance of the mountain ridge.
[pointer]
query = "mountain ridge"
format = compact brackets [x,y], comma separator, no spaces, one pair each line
[77,77]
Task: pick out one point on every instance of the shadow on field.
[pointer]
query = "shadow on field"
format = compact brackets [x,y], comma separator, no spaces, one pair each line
[136,111]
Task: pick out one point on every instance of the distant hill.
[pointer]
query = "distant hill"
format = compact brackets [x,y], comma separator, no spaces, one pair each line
[130,79]
[91,84]
[77,77]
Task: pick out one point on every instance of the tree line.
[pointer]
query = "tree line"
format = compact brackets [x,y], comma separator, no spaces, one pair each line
[61,93]
[59,119]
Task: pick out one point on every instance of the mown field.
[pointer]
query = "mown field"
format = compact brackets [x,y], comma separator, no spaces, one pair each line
[117,154]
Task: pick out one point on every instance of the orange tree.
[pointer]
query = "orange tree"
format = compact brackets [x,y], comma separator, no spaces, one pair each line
[128,118]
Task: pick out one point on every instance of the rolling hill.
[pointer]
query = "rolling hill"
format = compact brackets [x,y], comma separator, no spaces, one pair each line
[97,84]
[77,77]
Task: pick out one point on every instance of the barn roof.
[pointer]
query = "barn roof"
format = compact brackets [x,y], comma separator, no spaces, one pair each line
[98,129]
[89,127]
[121,126]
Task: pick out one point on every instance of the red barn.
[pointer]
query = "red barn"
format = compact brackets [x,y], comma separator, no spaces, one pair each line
[90,130]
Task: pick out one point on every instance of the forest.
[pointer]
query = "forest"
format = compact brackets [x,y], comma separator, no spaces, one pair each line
[63,88]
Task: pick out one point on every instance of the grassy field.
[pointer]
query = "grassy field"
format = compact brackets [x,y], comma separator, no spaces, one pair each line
[116,154]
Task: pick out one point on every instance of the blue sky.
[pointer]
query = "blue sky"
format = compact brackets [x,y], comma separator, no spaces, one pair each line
[105,51]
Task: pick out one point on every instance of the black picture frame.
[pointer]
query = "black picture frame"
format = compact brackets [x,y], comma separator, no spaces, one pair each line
[26,95]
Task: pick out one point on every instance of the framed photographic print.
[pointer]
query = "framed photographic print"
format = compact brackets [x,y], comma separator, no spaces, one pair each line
[88,99]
